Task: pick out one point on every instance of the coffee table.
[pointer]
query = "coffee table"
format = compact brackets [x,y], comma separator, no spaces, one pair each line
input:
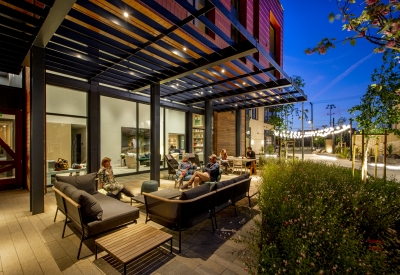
[132,242]
[166,194]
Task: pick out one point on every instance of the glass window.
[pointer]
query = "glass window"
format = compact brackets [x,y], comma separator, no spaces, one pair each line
[198,135]
[60,100]
[175,126]
[118,134]
[66,138]
[7,135]
[272,41]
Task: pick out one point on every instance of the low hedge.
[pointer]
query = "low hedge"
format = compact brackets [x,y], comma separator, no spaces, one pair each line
[319,219]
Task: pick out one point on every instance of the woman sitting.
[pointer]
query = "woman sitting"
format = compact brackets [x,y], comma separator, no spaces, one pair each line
[185,170]
[108,182]
[223,156]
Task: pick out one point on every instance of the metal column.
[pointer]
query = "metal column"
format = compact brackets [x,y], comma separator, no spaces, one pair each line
[155,132]
[238,131]
[93,160]
[208,113]
[189,131]
[38,130]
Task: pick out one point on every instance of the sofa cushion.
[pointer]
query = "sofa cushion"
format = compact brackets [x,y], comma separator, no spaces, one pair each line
[85,182]
[228,182]
[239,178]
[218,185]
[115,213]
[61,186]
[195,192]
[90,208]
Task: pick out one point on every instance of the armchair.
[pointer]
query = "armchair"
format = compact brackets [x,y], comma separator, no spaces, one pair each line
[130,160]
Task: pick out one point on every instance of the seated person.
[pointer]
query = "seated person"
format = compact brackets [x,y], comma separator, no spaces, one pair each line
[250,155]
[108,182]
[223,156]
[211,173]
[185,170]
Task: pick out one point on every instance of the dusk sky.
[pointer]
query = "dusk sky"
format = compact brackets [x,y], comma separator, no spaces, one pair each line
[332,78]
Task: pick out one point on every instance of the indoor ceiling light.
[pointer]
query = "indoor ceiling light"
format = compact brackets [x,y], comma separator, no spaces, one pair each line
[126,14]
[184,48]
[244,83]
[223,70]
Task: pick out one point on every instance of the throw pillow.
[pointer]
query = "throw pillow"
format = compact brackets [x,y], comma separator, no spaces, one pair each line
[90,208]
[84,182]
[195,192]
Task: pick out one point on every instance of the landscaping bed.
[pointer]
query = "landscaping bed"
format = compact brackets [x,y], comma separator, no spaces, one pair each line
[319,219]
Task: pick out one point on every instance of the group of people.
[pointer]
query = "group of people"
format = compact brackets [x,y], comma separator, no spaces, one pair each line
[210,173]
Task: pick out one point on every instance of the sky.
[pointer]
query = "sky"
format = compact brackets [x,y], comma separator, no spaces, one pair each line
[339,77]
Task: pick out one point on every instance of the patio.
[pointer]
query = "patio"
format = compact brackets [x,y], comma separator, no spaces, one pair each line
[33,244]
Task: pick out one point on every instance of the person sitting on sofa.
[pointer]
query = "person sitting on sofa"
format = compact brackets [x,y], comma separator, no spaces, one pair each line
[107,181]
[211,173]
[185,170]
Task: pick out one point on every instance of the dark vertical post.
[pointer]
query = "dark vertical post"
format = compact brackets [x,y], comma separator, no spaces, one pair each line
[207,129]
[38,130]
[93,160]
[238,130]
[155,132]
[189,131]
[333,136]
[351,138]
[384,156]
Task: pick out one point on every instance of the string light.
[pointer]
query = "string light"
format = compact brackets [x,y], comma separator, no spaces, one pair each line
[319,133]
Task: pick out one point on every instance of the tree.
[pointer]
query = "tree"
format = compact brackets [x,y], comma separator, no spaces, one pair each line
[280,119]
[379,107]
[377,21]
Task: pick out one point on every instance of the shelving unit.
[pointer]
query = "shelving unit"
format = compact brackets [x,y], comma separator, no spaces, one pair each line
[198,139]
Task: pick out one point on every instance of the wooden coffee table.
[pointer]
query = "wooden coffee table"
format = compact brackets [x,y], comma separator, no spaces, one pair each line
[130,243]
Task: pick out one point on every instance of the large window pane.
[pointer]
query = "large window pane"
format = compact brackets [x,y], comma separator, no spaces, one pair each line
[118,134]
[65,101]
[175,126]
[66,138]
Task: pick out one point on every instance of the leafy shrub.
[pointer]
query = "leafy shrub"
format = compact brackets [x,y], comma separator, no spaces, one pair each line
[318,219]
[270,149]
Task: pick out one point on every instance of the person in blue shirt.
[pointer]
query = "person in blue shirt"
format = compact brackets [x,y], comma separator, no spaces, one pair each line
[185,169]
[210,173]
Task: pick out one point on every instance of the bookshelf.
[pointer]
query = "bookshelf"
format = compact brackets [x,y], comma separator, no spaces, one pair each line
[198,140]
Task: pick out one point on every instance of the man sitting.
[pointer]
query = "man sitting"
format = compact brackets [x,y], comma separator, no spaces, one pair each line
[250,155]
[211,173]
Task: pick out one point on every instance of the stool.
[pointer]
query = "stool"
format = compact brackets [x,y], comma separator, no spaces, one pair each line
[149,186]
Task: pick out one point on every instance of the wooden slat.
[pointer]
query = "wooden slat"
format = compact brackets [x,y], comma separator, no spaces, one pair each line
[144,10]
[143,26]
[127,244]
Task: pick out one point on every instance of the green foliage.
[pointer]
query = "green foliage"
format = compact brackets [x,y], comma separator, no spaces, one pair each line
[377,21]
[390,148]
[345,153]
[270,149]
[318,219]
[379,107]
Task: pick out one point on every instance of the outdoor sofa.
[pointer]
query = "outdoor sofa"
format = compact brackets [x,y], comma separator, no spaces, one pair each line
[90,211]
[197,204]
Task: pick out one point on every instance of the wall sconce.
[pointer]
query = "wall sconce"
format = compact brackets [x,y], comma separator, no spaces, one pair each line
[262,142]
[252,142]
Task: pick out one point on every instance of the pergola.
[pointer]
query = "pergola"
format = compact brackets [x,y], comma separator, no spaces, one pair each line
[138,50]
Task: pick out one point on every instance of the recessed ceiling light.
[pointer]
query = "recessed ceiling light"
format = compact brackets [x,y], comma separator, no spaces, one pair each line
[78,55]
[222,100]
[126,14]
[244,83]
[184,48]
[223,70]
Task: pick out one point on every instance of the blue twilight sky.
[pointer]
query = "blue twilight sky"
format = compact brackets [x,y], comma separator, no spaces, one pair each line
[332,78]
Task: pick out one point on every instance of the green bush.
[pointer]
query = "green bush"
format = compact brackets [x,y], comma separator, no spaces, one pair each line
[318,219]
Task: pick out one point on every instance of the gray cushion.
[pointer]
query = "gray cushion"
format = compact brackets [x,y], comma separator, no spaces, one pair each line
[69,189]
[239,178]
[84,182]
[90,208]
[115,213]
[218,185]
[195,192]
[62,185]
[228,182]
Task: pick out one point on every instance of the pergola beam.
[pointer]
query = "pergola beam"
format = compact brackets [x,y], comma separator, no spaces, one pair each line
[281,83]
[225,55]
